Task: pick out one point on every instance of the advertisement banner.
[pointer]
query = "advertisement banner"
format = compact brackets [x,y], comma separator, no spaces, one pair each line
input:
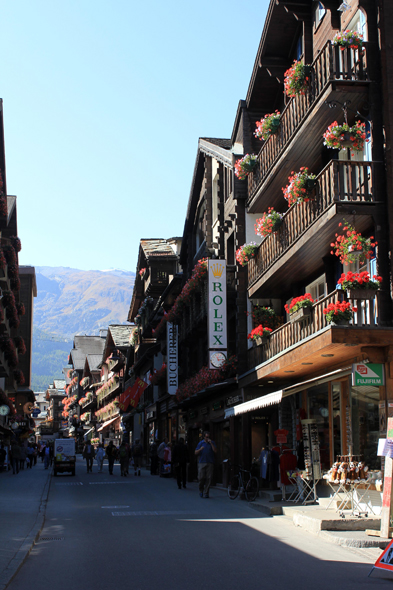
[137,389]
[124,400]
[367,374]
[172,364]
[217,305]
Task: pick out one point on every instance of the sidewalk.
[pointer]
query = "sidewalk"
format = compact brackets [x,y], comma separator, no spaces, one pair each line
[22,513]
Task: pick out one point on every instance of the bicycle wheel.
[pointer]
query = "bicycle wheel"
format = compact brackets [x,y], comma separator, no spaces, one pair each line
[234,487]
[252,489]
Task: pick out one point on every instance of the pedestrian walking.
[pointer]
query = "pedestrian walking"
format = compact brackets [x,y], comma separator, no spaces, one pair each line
[124,458]
[15,457]
[88,454]
[22,457]
[160,454]
[47,455]
[111,452]
[153,458]
[29,456]
[137,452]
[180,459]
[100,454]
[205,451]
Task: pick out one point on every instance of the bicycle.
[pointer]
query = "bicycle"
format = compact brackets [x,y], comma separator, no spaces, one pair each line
[243,482]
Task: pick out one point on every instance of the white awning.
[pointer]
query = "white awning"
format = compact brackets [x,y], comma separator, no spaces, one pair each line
[255,404]
[88,432]
[108,422]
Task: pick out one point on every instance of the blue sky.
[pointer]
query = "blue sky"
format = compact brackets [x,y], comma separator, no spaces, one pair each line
[104,102]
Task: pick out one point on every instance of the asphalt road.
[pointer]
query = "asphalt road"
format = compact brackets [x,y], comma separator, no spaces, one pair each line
[141,533]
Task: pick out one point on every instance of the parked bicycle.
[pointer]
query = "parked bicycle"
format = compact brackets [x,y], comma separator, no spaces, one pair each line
[245,482]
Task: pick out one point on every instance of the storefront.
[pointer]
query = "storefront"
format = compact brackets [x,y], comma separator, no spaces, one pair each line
[347,421]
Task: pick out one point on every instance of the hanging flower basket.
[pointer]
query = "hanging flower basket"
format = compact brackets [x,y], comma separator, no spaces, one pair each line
[352,246]
[246,252]
[340,137]
[265,316]
[299,308]
[268,126]
[339,313]
[296,79]
[300,187]
[269,223]
[246,165]
[347,38]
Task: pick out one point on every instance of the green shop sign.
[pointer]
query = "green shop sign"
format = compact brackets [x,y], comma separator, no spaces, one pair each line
[367,374]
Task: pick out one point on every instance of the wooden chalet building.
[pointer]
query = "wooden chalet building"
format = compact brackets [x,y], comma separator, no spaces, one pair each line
[112,366]
[17,289]
[157,283]
[304,369]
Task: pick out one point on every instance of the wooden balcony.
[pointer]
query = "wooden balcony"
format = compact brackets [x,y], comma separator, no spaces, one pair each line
[336,76]
[299,350]
[308,229]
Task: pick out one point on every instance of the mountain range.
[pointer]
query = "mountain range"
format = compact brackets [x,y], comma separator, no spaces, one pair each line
[70,302]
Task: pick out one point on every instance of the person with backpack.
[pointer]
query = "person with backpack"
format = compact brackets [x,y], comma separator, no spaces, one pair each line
[123,458]
[137,456]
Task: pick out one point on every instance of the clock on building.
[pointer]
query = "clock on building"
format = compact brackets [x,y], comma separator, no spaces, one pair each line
[4,410]
[217,359]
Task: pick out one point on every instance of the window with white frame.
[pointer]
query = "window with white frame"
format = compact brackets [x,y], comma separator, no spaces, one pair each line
[319,13]
[317,288]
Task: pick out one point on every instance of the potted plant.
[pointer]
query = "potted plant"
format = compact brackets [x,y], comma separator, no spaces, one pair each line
[296,79]
[352,246]
[300,187]
[269,223]
[260,335]
[245,165]
[246,252]
[347,38]
[360,285]
[299,308]
[343,136]
[267,126]
[339,313]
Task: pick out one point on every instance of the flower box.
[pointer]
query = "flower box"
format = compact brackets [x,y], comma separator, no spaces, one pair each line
[340,323]
[258,341]
[361,293]
[301,314]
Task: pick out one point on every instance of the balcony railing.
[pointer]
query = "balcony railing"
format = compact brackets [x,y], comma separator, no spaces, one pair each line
[290,335]
[331,65]
[338,182]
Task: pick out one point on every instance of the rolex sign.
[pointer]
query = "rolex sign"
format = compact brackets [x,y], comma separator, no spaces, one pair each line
[217,294]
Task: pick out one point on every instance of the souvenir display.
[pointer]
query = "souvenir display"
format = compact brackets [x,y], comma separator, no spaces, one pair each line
[346,470]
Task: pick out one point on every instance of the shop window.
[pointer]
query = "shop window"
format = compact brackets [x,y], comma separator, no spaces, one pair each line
[317,289]
[318,411]
[365,424]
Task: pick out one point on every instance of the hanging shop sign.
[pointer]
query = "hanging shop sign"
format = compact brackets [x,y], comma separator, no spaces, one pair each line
[217,406]
[367,374]
[217,313]
[281,435]
[172,364]
[205,410]
[233,400]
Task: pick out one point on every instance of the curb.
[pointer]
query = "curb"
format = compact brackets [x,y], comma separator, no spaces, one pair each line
[24,551]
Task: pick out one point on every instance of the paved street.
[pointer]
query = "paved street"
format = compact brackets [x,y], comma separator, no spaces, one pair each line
[105,531]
